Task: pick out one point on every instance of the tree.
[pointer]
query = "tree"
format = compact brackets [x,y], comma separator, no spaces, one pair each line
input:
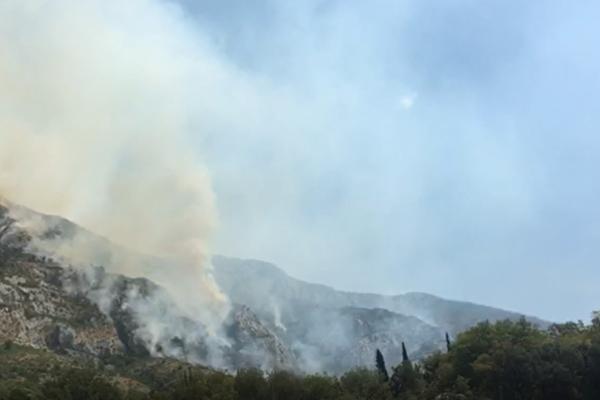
[380,363]
[211,386]
[320,387]
[250,384]
[596,319]
[284,385]
[406,380]
[404,354]
[363,383]
[448,343]
[80,384]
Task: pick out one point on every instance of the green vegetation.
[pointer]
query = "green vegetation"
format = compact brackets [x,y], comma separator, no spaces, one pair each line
[504,361]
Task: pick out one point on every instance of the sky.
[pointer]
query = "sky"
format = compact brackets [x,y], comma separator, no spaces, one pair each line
[448,147]
[443,147]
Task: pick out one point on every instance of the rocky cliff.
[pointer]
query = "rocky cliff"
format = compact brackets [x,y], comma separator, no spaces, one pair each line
[332,330]
[86,312]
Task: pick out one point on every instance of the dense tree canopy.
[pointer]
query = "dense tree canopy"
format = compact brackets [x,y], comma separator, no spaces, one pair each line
[500,361]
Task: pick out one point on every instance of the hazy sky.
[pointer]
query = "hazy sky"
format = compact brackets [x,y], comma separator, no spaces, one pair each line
[449,147]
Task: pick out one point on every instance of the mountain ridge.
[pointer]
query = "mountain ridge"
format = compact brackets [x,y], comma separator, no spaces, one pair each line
[251,270]
[85,311]
[276,321]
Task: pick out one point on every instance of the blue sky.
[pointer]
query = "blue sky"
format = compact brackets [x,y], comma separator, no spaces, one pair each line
[448,147]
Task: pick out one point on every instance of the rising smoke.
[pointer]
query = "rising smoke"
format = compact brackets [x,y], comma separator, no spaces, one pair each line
[97,104]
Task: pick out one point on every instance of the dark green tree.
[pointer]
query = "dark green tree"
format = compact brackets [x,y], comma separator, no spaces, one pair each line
[210,386]
[284,385]
[321,387]
[250,384]
[363,383]
[448,343]
[406,380]
[404,354]
[380,364]
[80,384]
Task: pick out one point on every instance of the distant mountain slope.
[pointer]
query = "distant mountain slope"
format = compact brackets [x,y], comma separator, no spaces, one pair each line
[243,279]
[336,339]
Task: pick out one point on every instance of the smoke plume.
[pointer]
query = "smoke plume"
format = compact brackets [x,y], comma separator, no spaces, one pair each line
[98,104]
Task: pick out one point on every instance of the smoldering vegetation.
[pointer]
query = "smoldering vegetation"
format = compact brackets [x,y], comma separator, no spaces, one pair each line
[278,334]
[95,126]
[281,335]
[143,316]
[274,322]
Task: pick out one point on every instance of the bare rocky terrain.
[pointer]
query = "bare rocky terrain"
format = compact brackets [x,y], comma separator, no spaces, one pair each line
[93,314]
[332,330]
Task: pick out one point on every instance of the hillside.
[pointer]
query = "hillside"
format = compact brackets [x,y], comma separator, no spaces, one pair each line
[89,313]
[242,279]
[56,294]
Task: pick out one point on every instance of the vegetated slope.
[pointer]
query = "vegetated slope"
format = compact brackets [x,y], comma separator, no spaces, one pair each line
[88,313]
[275,321]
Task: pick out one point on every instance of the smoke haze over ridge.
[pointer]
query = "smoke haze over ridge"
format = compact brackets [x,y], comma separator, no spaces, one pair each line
[445,148]
[94,121]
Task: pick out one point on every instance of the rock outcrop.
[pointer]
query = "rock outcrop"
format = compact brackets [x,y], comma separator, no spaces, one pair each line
[85,311]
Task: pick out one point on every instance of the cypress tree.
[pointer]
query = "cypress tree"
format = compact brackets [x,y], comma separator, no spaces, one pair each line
[380,363]
[404,354]
[403,378]
[448,343]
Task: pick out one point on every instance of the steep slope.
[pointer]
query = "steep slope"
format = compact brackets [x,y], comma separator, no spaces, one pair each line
[336,339]
[56,294]
[85,311]
[34,307]
[290,303]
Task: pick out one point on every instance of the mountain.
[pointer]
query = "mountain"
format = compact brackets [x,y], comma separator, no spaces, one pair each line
[334,330]
[57,294]
[242,279]
[87,312]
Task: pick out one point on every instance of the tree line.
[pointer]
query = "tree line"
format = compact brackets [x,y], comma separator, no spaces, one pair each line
[505,360]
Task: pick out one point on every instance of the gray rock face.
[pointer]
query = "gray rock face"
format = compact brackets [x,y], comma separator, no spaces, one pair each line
[33,311]
[381,329]
[254,341]
[88,312]
[35,308]
[331,330]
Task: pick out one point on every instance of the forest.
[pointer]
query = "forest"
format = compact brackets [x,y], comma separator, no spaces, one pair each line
[505,360]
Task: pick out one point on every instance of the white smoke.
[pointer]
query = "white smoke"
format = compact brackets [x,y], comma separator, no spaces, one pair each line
[100,102]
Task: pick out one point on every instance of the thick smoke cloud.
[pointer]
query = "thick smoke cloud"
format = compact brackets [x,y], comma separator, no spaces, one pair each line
[433,142]
[97,104]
